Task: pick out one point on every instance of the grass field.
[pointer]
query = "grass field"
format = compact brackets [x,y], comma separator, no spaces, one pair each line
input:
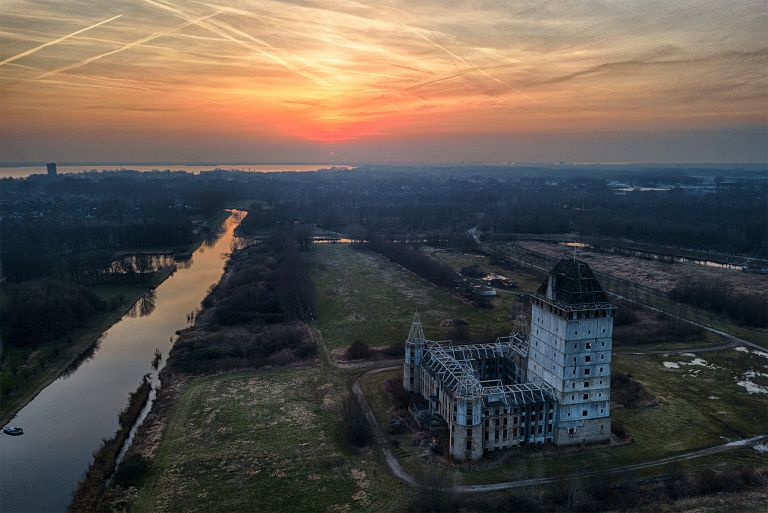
[264,441]
[362,295]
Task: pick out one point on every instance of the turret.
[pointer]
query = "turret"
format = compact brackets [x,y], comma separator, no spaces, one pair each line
[414,352]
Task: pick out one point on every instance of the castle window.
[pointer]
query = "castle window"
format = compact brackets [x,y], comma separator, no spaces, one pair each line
[571,431]
[586,384]
[588,344]
[586,372]
[584,413]
[587,358]
[586,396]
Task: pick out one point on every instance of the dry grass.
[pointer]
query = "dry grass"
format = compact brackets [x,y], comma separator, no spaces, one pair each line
[262,442]
[658,275]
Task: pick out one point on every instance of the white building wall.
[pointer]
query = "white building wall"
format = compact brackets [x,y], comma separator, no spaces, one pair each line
[574,356]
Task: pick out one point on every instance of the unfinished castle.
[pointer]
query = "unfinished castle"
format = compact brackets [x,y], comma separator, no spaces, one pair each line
[551,385]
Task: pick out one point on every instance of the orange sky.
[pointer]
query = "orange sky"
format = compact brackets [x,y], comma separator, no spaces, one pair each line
[271,80]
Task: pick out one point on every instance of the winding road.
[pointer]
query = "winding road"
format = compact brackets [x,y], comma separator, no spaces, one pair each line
[399,472]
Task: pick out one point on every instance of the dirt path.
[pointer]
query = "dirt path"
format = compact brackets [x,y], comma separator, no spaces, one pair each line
[399,472]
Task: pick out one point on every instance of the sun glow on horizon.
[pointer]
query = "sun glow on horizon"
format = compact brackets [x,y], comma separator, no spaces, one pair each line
[341,72]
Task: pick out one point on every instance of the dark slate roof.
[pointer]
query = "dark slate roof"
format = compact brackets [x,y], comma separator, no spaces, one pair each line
[574,284]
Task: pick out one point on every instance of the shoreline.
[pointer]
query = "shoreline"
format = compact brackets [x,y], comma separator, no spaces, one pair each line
[92,335]
[80,350]
[91,488]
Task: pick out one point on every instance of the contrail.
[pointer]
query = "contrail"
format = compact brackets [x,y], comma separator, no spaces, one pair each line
[55,41]
[138,42]
[223,30]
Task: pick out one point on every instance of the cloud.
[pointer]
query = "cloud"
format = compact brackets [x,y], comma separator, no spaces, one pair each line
[315,70]
[56,41]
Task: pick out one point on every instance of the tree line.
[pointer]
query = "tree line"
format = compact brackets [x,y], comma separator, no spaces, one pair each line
[41,310]
[256,314]
[414,260]
[718,297]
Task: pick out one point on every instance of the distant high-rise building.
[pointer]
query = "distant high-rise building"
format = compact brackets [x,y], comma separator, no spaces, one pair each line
[51,168]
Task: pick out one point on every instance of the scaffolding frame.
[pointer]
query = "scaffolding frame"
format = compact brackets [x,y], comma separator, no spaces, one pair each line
[452,368]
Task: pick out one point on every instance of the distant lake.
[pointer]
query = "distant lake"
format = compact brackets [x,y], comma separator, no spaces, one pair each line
[24,171]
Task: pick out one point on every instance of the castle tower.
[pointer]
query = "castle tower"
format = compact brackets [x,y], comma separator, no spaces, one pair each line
[414,352]
[570,349]
[466,428]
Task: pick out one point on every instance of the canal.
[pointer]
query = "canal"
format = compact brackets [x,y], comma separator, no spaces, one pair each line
[66,422]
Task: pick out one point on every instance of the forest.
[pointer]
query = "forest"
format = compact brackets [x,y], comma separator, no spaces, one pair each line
[256,315]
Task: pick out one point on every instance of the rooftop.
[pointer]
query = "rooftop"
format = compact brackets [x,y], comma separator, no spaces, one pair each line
[572,282]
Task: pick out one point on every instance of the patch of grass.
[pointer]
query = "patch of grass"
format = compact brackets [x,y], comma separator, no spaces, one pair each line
[364,296]
[263,441]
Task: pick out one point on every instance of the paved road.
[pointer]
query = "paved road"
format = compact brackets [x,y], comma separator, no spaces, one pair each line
[399,472]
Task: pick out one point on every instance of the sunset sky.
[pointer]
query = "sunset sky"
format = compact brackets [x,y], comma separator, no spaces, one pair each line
[349,81]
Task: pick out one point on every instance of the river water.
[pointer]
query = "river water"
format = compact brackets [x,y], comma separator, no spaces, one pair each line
[67,421]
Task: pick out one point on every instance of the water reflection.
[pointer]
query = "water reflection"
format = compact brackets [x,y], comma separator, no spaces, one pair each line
[651,255]
[66,422]
[145,305]
[140,263]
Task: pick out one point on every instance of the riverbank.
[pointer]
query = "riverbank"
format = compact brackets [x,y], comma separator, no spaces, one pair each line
[55,358]
[89,494]
[68,351]
[71,417]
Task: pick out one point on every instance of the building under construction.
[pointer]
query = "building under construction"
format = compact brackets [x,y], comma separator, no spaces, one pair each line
[551,385]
